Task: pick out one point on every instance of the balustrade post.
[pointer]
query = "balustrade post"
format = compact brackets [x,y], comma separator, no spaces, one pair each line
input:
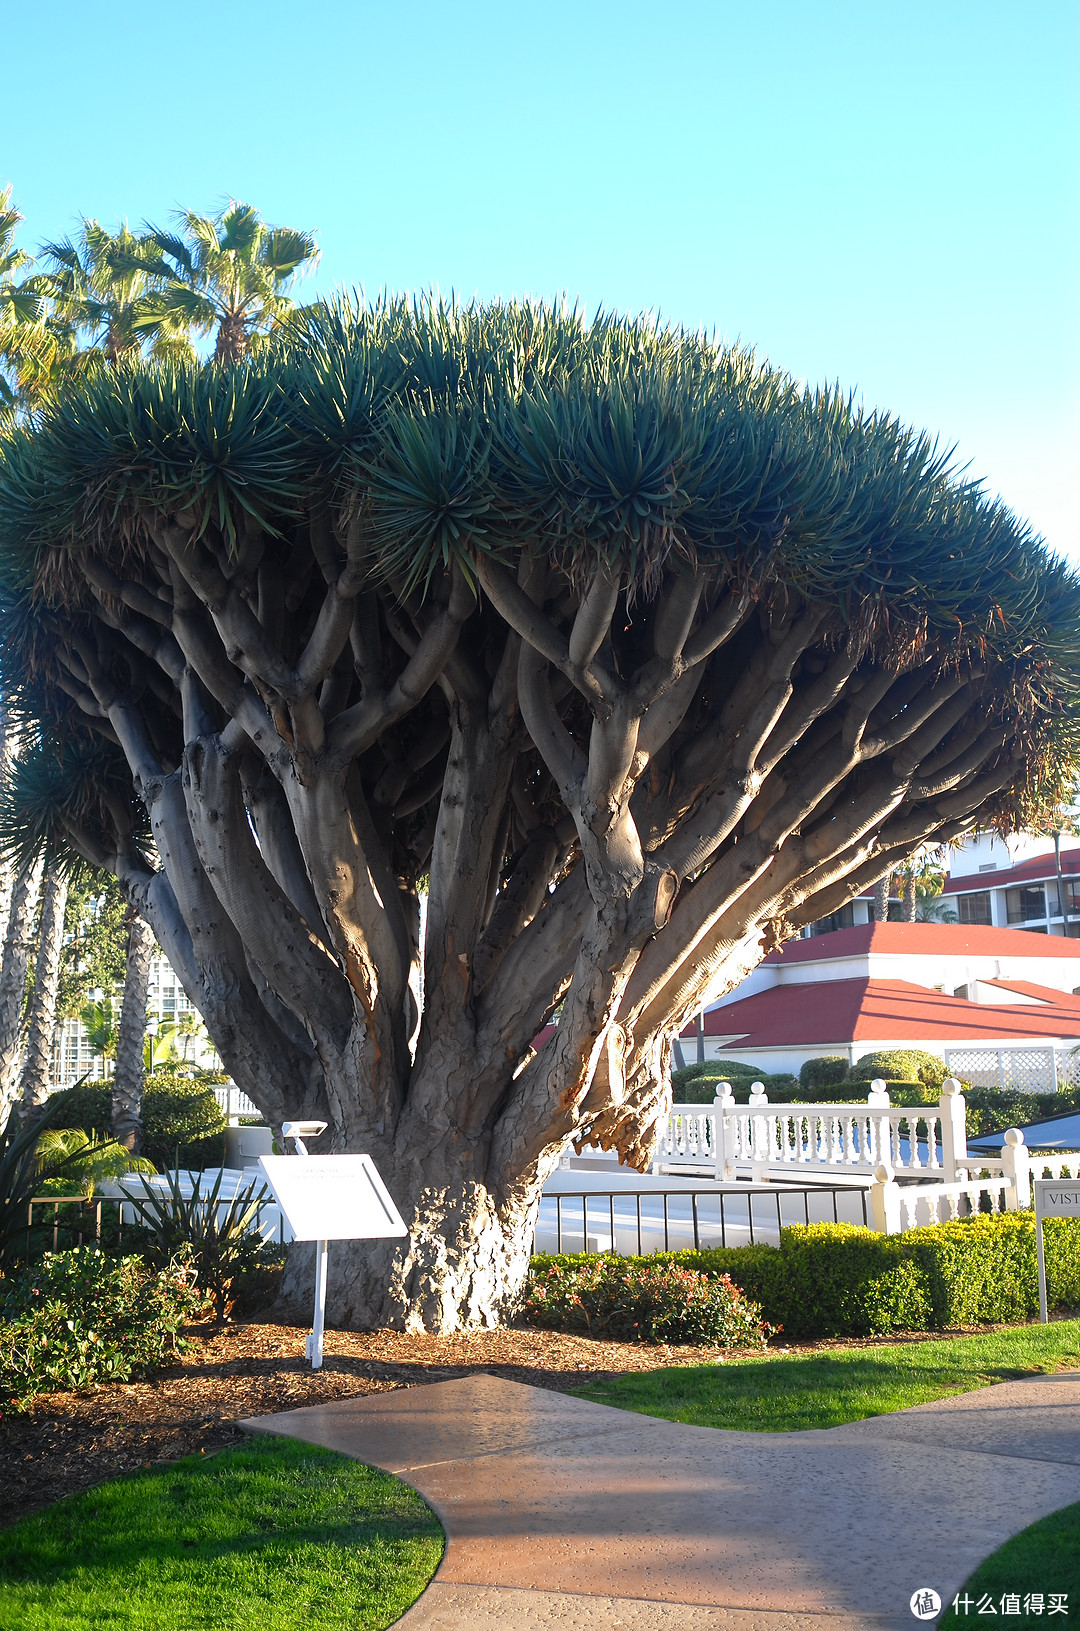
[885,1202]
[1016,1164]
[878,1099]
[723,1132]
[953,1129]
[759,1134]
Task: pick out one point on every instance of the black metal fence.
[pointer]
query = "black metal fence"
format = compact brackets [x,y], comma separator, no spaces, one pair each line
[694,1217]
[58,1222]
[624,1221]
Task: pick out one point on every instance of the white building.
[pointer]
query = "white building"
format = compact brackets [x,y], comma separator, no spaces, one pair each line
[167,1001]
[1002,883]
[939,987]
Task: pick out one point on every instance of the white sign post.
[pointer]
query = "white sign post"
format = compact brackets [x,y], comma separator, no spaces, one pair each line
[1054,1198]
[324,1198]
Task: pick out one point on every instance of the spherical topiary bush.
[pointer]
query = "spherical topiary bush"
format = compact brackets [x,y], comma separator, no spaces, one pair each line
[825,1072]
[903,1065]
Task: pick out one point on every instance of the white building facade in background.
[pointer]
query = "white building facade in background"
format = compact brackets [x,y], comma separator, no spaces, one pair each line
[1000,883]
[1001,979]
[167,1001]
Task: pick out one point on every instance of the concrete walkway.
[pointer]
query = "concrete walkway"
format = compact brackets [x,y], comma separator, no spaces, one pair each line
[568,1514]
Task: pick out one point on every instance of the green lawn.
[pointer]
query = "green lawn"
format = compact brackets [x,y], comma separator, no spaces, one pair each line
[1044,1559]
[269,1536]
[786,1393]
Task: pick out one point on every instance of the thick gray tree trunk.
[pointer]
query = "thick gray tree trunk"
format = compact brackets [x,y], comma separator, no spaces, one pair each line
[881,900]
[18,944]
[910,898]
[41,1029]
[127,1087]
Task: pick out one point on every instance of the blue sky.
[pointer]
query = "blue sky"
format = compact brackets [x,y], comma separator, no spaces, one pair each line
[880,194]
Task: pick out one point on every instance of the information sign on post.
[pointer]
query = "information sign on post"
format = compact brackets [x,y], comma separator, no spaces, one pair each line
[324,1198]
[1054,1198]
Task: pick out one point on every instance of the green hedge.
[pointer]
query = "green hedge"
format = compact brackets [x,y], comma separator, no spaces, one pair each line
[781,1088]
[900,1093]
[903,1065]
[827,1071]
[180,1115]
[710,1070]
[838,1279]
[988,1109]
[641,1299]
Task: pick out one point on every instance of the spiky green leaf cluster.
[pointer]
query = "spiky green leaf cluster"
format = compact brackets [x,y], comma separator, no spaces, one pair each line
[432,432]
[58,780]
[453,430]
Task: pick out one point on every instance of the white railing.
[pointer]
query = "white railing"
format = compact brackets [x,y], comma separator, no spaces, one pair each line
[898,1207]
[232,1102]
[764,1141]
[913,1160]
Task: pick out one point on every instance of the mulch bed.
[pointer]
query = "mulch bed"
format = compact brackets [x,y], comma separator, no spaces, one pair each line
[66,1442]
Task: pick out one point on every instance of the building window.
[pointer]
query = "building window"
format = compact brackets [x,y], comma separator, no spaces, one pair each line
[843,919]
[1024,905]
[974,908]
[1072,898]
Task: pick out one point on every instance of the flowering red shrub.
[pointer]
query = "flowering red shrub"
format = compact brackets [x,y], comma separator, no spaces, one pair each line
[614,1297]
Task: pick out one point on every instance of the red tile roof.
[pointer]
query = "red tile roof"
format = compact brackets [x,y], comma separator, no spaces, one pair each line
[1041,993]
[824,1011]
[925,939]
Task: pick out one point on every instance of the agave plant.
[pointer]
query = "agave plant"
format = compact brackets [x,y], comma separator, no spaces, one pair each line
[220,1233]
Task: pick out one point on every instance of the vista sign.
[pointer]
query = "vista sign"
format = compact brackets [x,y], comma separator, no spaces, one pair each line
[1054,1198]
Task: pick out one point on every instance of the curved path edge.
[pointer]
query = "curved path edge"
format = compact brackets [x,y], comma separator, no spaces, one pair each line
[565,1513]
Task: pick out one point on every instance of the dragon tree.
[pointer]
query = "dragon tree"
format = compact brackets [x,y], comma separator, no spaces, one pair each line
[435,673]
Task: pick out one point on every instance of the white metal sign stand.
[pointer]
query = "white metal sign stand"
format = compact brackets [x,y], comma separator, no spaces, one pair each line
[324,1198]
[1054,1198]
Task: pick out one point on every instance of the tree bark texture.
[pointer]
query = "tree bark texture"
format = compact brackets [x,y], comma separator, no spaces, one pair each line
[622,764]
[8,750]
[129,1076]
[881,900]
[18,945]
[41,1015]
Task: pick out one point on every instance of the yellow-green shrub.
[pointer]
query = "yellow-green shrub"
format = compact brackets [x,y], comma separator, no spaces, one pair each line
[838,1279]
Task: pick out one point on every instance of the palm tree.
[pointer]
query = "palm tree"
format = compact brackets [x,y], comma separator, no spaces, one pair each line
[18,944]
[99,1021]
[99,285]
[22,311]
[881,898]
[46,791]
[130,1074]
[41,1015]
[226,275]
